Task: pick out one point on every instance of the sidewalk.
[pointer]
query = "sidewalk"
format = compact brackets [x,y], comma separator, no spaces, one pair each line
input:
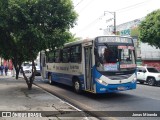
[15,97]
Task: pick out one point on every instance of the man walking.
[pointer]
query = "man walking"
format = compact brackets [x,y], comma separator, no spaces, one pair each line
[6,69]
[1,69]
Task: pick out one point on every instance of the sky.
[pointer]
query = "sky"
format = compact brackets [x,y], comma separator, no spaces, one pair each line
[92,20]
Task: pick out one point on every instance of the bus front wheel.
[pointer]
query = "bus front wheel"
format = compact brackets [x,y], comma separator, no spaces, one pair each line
[77,86]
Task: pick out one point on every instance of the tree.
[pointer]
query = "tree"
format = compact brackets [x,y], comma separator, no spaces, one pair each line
[30,26]
[134,31]
[74,38]
[150,29]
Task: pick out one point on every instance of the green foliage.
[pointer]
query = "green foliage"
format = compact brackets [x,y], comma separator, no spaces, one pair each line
[150,29]
[73,38]
[134,31]
[29,26]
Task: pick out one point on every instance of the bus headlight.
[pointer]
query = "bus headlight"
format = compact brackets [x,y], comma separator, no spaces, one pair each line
[134,80]
[101,81]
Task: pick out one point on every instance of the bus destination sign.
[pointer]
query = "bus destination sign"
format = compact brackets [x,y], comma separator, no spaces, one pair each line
[114,39]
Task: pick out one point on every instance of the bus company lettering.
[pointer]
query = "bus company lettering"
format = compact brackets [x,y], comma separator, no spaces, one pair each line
[62,68]
[74,67]
[57,68]
[54,66]
[66,68]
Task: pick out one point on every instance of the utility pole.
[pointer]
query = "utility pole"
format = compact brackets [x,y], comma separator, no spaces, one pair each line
[114,22]
[114,18]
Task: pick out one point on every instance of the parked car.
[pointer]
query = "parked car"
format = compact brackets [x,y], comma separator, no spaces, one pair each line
[148,74]
[26,69]
[38,72]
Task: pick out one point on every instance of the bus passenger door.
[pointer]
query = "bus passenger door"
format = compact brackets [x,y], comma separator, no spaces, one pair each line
[88,67]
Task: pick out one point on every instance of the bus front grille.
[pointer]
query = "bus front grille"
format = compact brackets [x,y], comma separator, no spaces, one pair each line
[119,77]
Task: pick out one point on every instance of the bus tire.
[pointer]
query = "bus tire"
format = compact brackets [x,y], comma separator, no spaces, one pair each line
[77,86]
[50,80]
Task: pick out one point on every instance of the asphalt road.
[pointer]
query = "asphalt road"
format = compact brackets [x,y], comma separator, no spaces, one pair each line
[144,98]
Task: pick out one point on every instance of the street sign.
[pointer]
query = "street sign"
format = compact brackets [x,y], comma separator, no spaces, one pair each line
[126,32]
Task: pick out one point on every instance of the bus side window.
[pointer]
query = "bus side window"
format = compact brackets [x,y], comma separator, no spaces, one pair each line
[65,55]
[51,57]
[72,54]
[76,54]
[57,56]
[79,53]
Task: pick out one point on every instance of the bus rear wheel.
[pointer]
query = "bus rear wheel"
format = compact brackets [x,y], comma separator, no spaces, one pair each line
[50,80]
[77,86]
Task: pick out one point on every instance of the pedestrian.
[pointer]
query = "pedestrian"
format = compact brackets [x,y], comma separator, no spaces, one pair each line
[2,67]
[6,69]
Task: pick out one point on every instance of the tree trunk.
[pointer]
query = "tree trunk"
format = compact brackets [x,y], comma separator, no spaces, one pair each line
[32,77]
[17,73]
[30,86]
[30,80]
[17,67]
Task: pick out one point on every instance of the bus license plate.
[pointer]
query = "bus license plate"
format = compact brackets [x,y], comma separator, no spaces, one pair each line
[121,88]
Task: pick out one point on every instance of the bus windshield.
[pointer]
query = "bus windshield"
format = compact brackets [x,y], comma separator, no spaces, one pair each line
[115,57]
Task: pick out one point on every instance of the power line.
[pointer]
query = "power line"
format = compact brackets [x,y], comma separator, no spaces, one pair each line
[78,4]
[89,3]
[97,19]
[92,23]
[131,6]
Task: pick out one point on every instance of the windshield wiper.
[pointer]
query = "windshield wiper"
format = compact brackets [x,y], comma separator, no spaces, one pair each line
[108,47]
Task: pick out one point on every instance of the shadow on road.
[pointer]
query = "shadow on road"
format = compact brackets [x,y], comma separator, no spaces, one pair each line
[106,96]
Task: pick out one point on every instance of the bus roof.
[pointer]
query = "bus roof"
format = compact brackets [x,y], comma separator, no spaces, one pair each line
[78,42]
[90,39]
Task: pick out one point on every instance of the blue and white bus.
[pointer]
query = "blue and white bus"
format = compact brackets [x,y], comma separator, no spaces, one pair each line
[100,65]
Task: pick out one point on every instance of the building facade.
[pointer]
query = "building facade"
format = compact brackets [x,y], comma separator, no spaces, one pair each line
[6,63]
